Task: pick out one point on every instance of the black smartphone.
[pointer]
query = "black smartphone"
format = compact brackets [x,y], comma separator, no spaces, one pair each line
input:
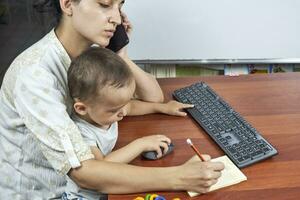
[119,39]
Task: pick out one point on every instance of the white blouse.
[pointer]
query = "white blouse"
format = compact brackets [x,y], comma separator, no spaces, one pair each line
[38,140]
[105,140]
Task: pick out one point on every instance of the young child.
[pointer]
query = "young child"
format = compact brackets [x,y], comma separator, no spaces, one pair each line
[102,87]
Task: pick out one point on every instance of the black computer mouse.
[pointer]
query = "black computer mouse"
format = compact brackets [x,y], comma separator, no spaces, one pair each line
[152,155]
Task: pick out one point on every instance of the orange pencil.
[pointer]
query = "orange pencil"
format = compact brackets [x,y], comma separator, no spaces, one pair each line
[189,141]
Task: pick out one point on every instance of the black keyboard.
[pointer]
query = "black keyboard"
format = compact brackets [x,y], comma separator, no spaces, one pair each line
[242,143]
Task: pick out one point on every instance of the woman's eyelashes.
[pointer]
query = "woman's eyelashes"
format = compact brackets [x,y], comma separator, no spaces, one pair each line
[102,5]
[105,3]
[108,4]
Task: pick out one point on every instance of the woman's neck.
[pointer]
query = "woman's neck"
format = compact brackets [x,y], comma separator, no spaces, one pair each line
[71,40]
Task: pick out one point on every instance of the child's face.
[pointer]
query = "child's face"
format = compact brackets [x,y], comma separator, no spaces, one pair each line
[112,107]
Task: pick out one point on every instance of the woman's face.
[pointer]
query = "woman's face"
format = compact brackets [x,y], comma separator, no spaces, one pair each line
[96,20]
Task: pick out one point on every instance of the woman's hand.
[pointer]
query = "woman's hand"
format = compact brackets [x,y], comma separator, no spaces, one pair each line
[126,23]
[198,176]
[128,27]
[175,108]
[154,143]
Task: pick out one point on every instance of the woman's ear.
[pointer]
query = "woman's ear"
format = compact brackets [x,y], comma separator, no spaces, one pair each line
[66,7]
[80,108]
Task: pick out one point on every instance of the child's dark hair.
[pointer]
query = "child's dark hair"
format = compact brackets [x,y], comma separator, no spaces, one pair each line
[95,69]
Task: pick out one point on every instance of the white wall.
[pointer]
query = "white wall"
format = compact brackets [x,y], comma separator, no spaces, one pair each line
[214,29]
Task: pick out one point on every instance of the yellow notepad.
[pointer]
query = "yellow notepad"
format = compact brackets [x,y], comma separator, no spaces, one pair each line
[230,175]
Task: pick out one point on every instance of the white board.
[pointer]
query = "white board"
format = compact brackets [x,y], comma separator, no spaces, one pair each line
[214,29]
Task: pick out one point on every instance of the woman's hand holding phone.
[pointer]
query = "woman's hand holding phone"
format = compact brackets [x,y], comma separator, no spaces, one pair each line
[120,38]
[126,23]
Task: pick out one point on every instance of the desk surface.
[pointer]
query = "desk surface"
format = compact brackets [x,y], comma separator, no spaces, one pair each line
[271,103]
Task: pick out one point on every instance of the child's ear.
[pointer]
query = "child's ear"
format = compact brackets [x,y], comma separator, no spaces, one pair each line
[80,108]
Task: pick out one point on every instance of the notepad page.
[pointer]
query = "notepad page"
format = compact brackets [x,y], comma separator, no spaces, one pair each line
[230,175]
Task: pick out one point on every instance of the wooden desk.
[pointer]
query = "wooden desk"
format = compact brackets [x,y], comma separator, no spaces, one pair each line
[271,103]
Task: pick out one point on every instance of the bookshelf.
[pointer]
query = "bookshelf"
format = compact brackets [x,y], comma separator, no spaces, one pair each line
[183,70]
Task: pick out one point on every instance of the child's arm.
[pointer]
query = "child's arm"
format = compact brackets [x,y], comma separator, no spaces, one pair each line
[129,152]
[136,107]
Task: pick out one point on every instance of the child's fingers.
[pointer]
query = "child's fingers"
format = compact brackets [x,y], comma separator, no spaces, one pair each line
[164,139]
[187,106]
[167,140]
[164,146]
[158,151]
[180,113]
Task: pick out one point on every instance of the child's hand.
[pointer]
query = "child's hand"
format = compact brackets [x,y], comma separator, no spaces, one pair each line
[153,143]
[175,108]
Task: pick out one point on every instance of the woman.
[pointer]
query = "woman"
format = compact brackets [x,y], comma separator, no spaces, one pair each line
[39,142]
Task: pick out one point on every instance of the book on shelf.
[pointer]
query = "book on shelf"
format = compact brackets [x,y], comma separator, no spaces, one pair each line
[183,70]
[236,69]
[161,70]
[296,68]
[260,68]
[198,70]
[277,68]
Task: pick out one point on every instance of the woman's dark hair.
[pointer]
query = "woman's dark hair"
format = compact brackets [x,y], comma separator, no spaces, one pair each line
[95,69]
[52,6]
[56,5]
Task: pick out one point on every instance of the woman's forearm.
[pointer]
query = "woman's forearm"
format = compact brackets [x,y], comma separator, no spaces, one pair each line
[117,178]
[147,87]
[137,107]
